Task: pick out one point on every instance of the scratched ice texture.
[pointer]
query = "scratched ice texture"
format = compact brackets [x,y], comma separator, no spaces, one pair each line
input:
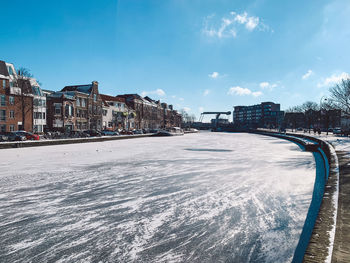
[208,197]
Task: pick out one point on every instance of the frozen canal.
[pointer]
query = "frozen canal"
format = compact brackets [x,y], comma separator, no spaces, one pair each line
[209,197]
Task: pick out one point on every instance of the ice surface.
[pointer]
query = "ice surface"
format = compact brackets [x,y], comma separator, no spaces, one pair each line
[231,197]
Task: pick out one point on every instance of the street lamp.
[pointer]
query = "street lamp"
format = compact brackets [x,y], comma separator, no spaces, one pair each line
[322,100]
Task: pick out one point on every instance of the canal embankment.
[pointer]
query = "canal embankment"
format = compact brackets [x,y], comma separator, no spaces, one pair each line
[326,242]
[44,142]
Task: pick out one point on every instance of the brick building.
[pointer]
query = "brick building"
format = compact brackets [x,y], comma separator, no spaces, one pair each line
[91,113]
[61,111]
[16,106]
[266,114]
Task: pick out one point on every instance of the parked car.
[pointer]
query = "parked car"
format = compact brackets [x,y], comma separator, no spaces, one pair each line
[146,130]
[28,135]
[3,137]
[153,130]
[337,131]
[109,133]
[138,132]
[125,132]
[78,134]
[93,133]
[12,136]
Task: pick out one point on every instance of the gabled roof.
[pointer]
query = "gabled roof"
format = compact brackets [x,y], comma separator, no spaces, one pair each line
[81,88]
[111,98]
[131,96]
[3,70]
[63,95]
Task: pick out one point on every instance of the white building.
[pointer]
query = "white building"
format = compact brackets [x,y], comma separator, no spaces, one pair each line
[116,115]
[39,107]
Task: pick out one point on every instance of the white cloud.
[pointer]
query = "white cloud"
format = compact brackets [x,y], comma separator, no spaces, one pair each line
[182,99]
[252,23]
[307,74]
[201,109]
[227,27]
[187,109]
[243,91]
[214,75]
[264,85]
[206,92]
[158,92]
[334,79]
[267,85]
[240,18]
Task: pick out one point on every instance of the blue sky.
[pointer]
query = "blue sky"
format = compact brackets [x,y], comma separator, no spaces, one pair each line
[196,54]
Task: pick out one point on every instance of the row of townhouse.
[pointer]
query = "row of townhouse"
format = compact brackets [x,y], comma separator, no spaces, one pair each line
[25,106]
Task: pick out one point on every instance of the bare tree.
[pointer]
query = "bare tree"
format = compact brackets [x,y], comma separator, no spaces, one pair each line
[185,116]
[340,95]
[291,116]
[23,83]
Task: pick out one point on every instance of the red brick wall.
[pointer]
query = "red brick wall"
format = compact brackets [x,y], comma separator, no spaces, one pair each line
[17,108]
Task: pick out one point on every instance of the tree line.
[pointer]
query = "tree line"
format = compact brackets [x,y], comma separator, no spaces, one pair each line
[339,99]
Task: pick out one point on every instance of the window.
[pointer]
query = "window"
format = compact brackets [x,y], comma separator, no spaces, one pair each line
[11,100]
[2,115]
[69,110]
[57,108]
[12,127]
[44,117]
[83,102]
[2,127]
[11,84]
[10,70]
[78,102]
[12,114]
[104,112]
[36,91]
[4,83]
[3,100]
[95,97]
[110,124]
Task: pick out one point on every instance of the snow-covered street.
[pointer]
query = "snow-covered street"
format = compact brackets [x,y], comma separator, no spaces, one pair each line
[207,197]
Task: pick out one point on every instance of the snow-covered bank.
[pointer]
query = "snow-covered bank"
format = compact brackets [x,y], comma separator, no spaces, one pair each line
[194,198]
[321,244]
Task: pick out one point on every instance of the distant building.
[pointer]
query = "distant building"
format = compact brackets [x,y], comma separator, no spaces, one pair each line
[266,114]
[61,111]
[294,120]
[115,113]
[89,104]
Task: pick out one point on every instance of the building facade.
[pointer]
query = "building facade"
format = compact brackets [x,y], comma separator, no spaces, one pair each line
[39,107]
[61,112]
[266,114]
[93,105]
[16,106]
[151,114]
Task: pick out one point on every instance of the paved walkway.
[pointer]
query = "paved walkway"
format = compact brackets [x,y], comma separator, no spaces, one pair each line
[341,250]
[341,247]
